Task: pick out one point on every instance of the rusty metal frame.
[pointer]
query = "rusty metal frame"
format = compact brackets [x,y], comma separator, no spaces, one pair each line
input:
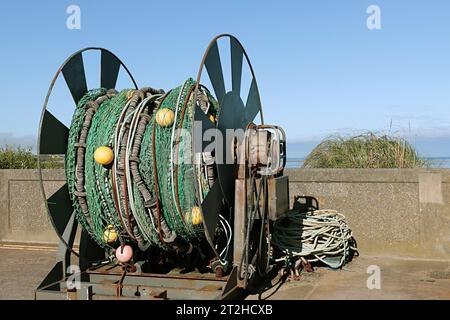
[107,282]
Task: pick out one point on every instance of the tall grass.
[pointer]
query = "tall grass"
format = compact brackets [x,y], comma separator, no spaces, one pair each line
[364,151]
[23,158]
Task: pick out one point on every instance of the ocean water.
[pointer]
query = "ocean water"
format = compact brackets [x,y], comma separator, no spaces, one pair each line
[444,162]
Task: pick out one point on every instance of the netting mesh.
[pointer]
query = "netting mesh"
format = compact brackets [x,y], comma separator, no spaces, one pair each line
[98,178]
[165,166]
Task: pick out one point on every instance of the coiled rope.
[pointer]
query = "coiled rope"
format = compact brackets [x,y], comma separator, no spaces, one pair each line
[321,235]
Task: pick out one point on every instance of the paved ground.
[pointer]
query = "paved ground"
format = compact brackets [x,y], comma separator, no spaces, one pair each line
[400,279]
[22,269]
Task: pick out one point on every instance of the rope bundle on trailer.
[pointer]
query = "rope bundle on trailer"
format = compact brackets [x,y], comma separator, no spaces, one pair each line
[129,168]
[321,235]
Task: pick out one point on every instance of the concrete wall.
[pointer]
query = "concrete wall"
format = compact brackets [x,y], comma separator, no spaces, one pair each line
[392,212]
[23,215]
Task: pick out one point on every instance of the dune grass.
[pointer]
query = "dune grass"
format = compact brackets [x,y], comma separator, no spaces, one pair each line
[364,151]
[23,158]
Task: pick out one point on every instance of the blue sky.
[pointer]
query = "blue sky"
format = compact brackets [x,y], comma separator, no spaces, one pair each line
[320,70]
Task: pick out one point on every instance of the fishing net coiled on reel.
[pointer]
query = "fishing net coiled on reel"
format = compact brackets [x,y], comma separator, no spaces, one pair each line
[148,195]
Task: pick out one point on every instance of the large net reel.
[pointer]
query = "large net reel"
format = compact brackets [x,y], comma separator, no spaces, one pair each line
[151,171]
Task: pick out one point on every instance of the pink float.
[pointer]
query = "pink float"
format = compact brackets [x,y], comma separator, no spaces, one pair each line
[124,253]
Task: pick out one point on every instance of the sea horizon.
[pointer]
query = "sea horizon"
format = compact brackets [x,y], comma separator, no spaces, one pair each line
[435,162]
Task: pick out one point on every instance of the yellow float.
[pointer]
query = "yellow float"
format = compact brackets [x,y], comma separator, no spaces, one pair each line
[103,155]
[196,216]
[110,234]
[165,117]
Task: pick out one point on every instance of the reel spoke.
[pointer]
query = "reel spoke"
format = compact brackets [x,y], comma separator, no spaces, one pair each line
[60,208]
[53,137]
[253,105]
[230,119]
[211,208]
[110,67]
[75,77]
[227,173]
[236,65]
[215,73]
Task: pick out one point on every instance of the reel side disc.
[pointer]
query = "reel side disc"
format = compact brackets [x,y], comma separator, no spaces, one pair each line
[234,115]
[53,133]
